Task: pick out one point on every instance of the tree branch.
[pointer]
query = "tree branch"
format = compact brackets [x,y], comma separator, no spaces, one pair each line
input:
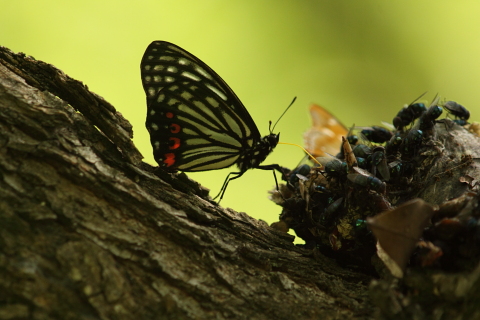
[89,232]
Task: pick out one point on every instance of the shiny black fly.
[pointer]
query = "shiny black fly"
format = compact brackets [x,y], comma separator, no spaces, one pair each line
[457,110]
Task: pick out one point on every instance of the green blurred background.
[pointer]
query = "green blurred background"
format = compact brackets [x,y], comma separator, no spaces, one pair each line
[362,60]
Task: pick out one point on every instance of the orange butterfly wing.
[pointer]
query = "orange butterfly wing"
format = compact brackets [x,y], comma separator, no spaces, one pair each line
[325,135]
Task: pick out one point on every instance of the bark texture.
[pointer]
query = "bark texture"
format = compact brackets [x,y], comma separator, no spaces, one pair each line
[88,231]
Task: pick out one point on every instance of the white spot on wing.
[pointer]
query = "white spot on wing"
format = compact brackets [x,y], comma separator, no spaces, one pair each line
[172,101]
[214,103]
[217,92]
[166,58]
[203,72]
[172,69]
[190,76]
[151,92]
[199,104]
[186,95]
[215,165]
[160,97]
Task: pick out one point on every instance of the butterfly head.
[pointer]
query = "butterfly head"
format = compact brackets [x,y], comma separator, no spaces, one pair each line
[266,146]
[271,140]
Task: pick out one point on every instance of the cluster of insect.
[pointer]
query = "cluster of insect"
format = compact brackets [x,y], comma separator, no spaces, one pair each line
[197,123]
[360,173]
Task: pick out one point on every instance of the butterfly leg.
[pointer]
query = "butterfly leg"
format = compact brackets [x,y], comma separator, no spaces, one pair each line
[225,184]
[274,167]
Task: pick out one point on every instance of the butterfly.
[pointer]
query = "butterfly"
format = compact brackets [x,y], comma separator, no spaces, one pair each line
[325,135]
[195,121]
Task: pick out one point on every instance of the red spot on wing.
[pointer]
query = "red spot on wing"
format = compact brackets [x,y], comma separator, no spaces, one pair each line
[169,115]
[176,143]
[174,128]
[169,159]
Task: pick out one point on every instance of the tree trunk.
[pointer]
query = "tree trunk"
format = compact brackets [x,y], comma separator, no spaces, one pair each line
[88,231]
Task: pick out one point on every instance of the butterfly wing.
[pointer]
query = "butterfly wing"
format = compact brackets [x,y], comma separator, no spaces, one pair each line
[325,135]
[196,122]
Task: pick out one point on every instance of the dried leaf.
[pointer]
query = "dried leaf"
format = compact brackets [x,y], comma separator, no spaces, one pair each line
[399,230]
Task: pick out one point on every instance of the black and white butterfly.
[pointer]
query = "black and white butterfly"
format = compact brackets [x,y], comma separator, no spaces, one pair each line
[195,121]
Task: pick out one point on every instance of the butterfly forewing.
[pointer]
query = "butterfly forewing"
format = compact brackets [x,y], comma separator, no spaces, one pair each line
[196,122]
[164,63]
[325,135]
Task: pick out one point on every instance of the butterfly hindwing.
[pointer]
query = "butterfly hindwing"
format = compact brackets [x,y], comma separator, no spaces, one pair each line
[200,137]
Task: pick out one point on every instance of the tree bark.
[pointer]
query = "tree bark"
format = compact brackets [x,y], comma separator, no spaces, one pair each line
[88,231]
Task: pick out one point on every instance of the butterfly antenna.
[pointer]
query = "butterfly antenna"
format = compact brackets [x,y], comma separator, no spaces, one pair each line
[270,125]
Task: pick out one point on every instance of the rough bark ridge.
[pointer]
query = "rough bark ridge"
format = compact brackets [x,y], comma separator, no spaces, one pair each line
[88,231]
